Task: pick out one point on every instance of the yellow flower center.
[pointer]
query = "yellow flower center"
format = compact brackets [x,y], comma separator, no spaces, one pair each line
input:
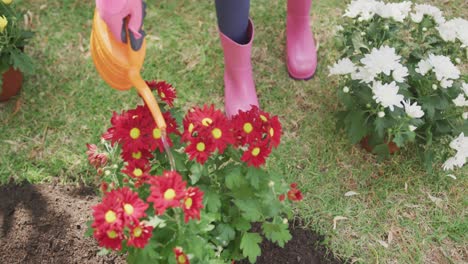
[169,194]
[137,172]
[157,133]
[112,234]
[137,231]
[136,155]
[207,121]
[191,127]
[255,151]
[135,133]
[217,133]
[188,203]
[7,2]
[272,132]
[110,217]
[128,208]
[264,119]
[248,128]
[182,259]
[201,146]
[162,95]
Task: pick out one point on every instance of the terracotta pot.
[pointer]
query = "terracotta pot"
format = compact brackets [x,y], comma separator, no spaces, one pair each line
[12,81]
[392,147]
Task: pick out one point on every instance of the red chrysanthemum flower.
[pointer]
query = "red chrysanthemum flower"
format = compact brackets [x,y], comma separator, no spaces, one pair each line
[133,208]
[132,132]
[97,160]
[155,139]
[138,170]
[107,214]
[256,154]
[200,150]
[142,156]
[165,90]
[181,257]
[247,127]
[140,234]
[193,203]
[274,131]
[110,239]
[294,194]
[166,191]
[281,197]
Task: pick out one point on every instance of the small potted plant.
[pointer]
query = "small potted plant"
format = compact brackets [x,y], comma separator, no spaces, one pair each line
[13,61]
[403,77]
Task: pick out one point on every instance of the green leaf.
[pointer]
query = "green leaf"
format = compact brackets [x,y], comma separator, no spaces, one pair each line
[211,201]
[155,221]
[89,231]
[255,176]
[358,42]
[196,172]
[242,224]
[381,150]
[277,233]
[103,252]
[145,255]
[234,178]
[225,232]
[250,209]
[357,126]
[250,246]
[399,140]
[21,61]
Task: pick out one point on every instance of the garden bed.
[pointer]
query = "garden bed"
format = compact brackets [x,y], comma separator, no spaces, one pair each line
[46,223]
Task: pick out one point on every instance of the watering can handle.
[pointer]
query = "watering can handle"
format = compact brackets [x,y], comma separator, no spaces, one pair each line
[148,97]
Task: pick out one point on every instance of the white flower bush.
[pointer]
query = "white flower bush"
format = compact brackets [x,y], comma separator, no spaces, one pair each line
[401,77]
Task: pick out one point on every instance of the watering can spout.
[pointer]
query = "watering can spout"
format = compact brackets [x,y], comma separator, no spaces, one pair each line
[148,97]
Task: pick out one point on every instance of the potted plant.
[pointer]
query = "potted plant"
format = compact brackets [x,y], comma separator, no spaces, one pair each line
[13,61]
[401,77]
[200,206]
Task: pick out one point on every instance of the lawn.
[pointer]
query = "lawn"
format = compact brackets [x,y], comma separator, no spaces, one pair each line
[402,214]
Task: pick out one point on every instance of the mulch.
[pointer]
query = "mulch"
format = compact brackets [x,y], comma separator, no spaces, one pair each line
[47,224]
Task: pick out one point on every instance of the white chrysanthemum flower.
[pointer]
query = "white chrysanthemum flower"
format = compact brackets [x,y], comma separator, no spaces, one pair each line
[454,29]
[443,67]
[465,115]
[413,110]
[460,101]
[382,60]
[465,88]
[400,73]
[342,67]
[423,67]
[429,10]
[346,89]
[364,9]
[454,162]
[460,144]
[387,95]
[396,11]
[412,128]
[381,114]
[364,74]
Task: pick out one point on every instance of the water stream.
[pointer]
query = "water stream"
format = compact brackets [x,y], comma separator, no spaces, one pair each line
[167,148]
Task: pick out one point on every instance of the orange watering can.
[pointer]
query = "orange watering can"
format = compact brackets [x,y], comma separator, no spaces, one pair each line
[119,65]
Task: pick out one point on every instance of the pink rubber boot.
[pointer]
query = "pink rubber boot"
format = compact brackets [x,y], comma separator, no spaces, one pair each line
[300,44]
[239,86]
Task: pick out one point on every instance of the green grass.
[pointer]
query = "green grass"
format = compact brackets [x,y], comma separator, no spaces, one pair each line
[65,105]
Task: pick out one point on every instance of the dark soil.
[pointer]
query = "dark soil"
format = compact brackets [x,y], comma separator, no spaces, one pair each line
[303,248]
[47,223]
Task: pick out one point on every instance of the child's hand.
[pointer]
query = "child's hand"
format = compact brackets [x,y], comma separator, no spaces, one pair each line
[115,14]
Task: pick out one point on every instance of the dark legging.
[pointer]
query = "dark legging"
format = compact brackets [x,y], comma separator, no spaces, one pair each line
[233,19]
